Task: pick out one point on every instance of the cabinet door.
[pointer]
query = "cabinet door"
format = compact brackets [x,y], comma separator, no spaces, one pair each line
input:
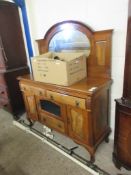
[30,105]
[52,113]
[51,108]
[78,124]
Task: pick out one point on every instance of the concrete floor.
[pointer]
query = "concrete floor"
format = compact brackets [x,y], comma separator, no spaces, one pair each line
[24,154]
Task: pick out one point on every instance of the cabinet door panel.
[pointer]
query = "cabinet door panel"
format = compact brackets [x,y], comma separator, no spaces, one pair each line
[52,114]
[51,108]
[30,106]
[78,123]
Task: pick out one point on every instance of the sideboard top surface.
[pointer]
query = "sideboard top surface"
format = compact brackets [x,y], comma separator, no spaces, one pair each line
[86,86]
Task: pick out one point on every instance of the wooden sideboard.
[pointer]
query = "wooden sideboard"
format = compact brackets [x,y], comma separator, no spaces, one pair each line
[79,111]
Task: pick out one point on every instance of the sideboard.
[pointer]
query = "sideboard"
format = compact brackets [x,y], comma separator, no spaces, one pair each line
[79,111]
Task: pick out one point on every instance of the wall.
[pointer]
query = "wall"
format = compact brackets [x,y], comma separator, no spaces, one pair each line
[100,15]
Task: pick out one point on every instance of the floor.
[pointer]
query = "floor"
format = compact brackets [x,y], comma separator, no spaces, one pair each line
[24,154]
[31,149]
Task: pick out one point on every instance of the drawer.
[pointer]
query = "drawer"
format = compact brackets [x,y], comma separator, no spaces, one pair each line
[38,91]
[33,90]
[74,101]
[24,87]
[52,122]
[54,96]
[66,99]
[3,93]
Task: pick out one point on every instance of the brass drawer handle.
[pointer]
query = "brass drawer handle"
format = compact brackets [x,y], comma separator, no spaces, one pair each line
[59,125]
[77,103]
[40,93]
[51,97]
[44,119]
[24,88]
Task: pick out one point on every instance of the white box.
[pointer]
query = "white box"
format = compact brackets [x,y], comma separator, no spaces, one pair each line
[59,68]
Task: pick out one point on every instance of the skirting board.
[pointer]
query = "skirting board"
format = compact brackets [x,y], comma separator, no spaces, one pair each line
[56,148]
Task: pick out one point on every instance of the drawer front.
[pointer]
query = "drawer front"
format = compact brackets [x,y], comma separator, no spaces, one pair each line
[33,90]
[24,87]
[54,96]
[74,101]
[38,91]
[52,122]
[66,99]
[3,93]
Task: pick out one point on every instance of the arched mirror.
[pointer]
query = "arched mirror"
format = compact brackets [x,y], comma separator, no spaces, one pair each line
[69,40]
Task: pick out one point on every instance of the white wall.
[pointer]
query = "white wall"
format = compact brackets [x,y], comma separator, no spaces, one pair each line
[99,15]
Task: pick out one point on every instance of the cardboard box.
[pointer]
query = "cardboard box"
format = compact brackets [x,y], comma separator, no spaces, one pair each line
[59,68]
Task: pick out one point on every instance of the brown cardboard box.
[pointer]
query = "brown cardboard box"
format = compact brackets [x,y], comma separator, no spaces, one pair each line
[59,68]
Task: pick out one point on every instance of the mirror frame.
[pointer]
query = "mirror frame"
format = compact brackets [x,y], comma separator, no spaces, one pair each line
[75,25]
[100,46]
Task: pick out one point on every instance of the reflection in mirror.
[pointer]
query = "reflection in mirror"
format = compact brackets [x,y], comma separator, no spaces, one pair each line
[69,40]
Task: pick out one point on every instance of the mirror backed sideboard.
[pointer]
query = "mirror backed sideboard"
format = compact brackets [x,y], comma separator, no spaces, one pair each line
[79,111]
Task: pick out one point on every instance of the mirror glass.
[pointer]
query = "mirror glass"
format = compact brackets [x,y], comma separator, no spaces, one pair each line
[69,40]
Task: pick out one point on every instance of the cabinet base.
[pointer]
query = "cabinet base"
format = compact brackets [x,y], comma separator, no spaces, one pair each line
[118,163]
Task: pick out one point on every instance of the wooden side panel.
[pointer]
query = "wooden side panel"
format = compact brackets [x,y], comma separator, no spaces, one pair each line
[100,114]
[99,62]
[42,46]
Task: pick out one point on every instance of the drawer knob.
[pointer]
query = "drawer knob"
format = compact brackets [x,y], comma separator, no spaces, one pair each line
[40,93]
[44,119]
[77,103]
[24,88]
[59,125]
[51,97]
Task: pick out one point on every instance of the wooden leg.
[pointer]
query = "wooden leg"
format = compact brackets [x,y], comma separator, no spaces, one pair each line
[107,139]
[92,158]
[116,162]
[31,123]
